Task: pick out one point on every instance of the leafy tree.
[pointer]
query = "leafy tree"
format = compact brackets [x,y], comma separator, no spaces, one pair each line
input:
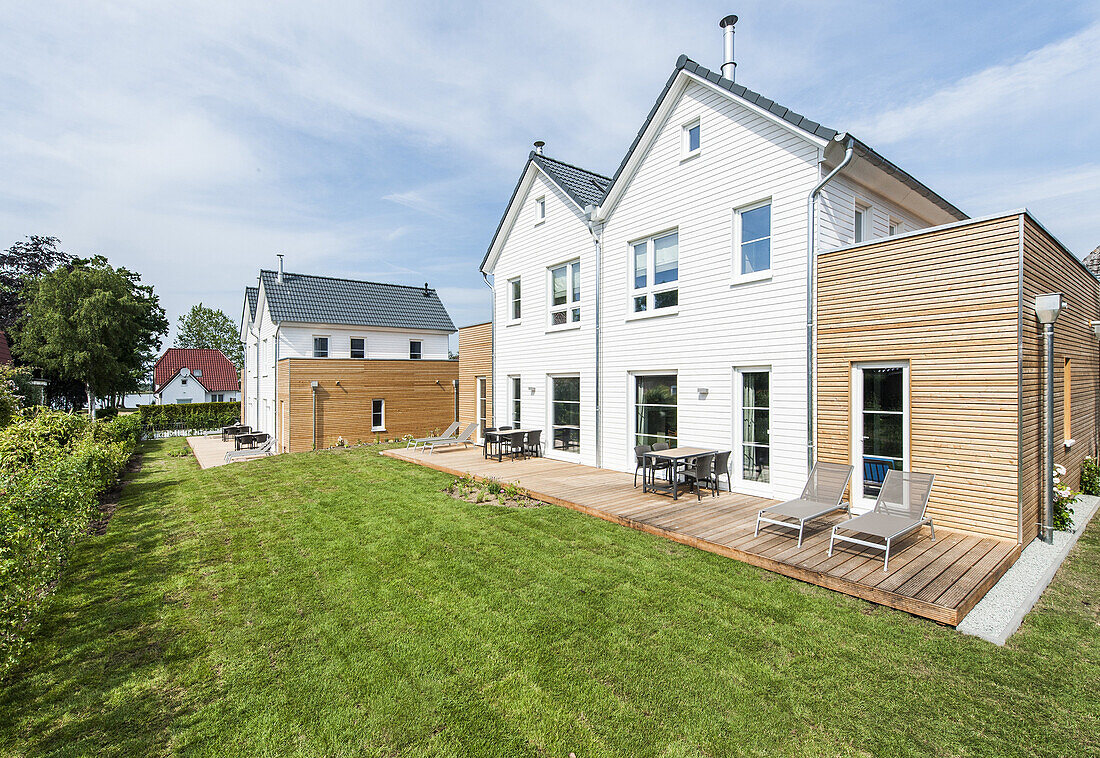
[92,323]
[210,328]
[22,263]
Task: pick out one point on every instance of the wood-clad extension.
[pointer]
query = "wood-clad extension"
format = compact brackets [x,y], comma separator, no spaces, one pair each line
[940,580]
[419,397]
[956,304]
[1049,267]
[475,358]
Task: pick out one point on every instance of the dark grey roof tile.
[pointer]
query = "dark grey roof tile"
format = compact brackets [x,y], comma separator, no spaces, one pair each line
[253,295]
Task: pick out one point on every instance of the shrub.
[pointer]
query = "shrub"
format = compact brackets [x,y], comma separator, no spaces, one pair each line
[1090,476]
[190,415]
[53,466]
[105,414]
[1064,498]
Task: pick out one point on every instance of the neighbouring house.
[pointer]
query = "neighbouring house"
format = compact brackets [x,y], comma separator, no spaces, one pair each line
[751,280]
[329,358]
[1092,261]
[195,375]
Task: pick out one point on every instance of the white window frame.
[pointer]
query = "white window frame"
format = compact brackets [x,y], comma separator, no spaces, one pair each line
[514,301]
[540,210]
[862,222]
[860,503]
[572,306]
[382,413]
[263,356]
[740,277]
[633,395]
[685,139]
[895,227]
[351,348]
[550,414]
[515,387]
[481,409]
[419,353]
[738,464]
[651,290]
[328,345]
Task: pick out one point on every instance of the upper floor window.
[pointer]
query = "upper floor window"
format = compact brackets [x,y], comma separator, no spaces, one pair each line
[690,135]
[565,294]
[183,382]
[320,347]
[540,210]
[514,294]
[416,349]
[358,347]
[895,227]
[656,266]
[753,235]
[862,223]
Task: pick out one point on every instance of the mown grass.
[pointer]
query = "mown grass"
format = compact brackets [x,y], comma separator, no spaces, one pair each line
[338,603]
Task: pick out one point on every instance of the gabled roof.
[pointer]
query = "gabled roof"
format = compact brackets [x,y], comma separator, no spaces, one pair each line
[1092,262]
[252,294]
[580,185]
[208,367]
[311,299]
[797,120]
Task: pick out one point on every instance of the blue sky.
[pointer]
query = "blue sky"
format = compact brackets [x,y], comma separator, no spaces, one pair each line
[192,141]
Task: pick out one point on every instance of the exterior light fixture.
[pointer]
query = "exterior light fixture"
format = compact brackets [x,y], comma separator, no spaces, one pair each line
[1095,326]
[1047,308]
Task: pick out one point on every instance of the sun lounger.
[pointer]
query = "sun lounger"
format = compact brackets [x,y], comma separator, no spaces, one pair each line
[899,509]
[462,439]
[822,495]
[448,432]
[255,452]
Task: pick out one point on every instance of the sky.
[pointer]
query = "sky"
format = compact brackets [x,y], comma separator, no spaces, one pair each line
[192,141]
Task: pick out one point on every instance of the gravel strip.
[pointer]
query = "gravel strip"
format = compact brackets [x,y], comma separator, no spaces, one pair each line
[1001,611]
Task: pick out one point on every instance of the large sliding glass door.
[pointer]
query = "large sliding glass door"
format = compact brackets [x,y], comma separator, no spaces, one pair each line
[655,410]
[880,426]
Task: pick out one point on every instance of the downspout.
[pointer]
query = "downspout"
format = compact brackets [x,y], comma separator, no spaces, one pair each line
[591,213]
[811,263]
[492,351]
[275,390]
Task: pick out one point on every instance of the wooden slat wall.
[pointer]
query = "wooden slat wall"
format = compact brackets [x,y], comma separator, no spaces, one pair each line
[282,404]
[948,303]
[475,358]
[1050,268]
[419,398]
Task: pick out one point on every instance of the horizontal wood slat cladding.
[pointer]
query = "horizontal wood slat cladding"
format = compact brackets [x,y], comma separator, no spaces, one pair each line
[475,358]
[1047,267]
[418,395]
[948,303]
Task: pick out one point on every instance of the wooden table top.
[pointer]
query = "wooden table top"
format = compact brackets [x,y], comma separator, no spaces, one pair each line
[681,452]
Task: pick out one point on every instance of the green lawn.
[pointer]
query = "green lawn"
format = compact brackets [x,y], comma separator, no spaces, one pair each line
[338,603]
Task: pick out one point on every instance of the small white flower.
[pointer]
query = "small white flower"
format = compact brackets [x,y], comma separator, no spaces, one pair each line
[1060,469]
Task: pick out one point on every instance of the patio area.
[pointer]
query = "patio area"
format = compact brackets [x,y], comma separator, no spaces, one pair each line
[209,450]
[940,580]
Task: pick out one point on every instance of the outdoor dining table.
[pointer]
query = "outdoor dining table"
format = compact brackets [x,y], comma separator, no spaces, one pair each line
[675,456]
[250,439]
[497,434]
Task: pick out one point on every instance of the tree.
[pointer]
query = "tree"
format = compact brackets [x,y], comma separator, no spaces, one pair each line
[20,264]
[210,328]
[92,323]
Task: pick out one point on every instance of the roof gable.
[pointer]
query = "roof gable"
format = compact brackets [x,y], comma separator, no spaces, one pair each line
[304,298]
[208,367]
[581,186]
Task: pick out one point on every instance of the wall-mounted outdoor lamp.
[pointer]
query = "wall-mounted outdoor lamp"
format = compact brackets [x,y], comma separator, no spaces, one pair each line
[531,390]
[1047,308]
[703,392]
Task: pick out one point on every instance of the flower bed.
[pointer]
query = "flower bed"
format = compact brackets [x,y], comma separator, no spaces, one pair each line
[490,492]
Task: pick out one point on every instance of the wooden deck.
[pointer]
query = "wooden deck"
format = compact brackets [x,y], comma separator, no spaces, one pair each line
[939,580]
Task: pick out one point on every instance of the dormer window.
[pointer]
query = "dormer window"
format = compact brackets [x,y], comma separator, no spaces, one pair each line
[197,372]
[690,139]
[540,210]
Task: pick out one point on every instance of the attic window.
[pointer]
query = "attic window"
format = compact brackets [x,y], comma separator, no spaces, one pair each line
[197,372]
[540,210]
[690,139]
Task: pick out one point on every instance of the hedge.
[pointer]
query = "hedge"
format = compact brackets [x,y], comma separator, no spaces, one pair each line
[190,415]
[53,467]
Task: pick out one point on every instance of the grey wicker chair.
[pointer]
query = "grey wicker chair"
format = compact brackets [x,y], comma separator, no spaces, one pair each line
[700,474]
[639,461]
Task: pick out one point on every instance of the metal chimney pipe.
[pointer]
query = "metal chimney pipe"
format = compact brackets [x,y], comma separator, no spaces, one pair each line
[539,144]
[729,66]
[280,277]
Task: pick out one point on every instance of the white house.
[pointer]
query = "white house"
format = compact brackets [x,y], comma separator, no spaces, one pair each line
[194,375]
[669,301]
[294,317]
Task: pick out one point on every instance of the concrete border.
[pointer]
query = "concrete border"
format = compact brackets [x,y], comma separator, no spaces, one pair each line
[999,614]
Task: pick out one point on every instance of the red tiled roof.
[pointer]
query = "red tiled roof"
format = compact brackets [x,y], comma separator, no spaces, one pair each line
[218,372]
[5,351]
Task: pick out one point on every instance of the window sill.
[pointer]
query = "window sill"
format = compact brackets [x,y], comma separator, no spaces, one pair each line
[690,156]
[540,223]
[653,314]
[378,428]
[515,322]
[1069,443]
[564,327]
[757,276]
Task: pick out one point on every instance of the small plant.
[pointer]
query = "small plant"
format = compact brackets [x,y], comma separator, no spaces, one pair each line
[1064,498]
[495,487]
[1090,476]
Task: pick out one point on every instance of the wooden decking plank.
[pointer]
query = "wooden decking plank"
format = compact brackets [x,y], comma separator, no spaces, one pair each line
[957,592]
[950,574]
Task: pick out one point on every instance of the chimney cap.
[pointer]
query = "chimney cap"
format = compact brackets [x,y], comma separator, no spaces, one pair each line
[729,20]
[539,145]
